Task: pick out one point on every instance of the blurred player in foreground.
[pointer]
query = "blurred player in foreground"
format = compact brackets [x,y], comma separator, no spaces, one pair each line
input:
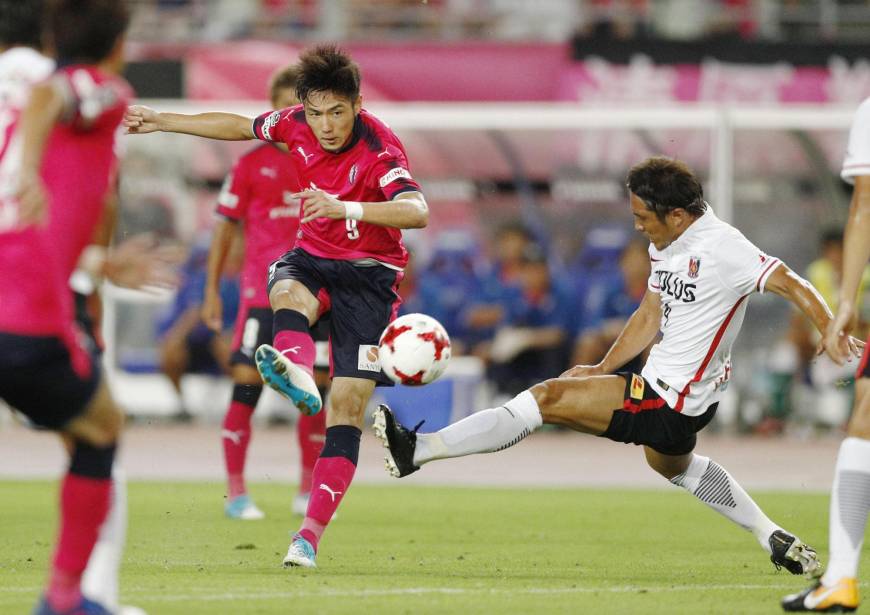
[702,272]
[57,156]
[257,195]
[357,194]
[837,590]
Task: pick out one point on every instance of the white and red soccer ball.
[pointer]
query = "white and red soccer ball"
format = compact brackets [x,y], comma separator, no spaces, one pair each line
[414,350]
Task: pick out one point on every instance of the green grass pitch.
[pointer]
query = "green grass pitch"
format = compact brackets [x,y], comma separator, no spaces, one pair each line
[400,549]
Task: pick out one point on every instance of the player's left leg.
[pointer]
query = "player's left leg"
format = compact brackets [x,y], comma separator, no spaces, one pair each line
[850,503]
[335,468]
[713,485]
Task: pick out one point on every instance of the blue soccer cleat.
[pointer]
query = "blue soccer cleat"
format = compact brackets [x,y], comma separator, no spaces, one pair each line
[290,380]
[243,508]
[85,607]
[301,553]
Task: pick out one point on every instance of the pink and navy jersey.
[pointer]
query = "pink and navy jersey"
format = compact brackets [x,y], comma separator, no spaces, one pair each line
[257,194]
[372,167]
[78,165]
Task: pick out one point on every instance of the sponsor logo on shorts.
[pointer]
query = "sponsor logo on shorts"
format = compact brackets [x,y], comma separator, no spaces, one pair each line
[393,175]
[637,387]
[368,360]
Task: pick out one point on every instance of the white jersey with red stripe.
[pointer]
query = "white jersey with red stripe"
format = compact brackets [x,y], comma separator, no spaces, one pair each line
[704,279]
[857,160]
[20,69]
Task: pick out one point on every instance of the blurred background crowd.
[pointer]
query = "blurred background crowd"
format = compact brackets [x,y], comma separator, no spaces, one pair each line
[530,261]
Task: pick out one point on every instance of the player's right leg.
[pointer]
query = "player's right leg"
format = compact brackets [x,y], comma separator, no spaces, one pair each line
[287,364]
[850,503]
[583,404]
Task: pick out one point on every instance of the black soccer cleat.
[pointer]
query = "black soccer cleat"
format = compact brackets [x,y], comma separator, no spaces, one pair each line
[789,552]
[399,441]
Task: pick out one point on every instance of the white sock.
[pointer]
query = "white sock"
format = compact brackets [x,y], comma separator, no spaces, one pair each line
[483,432]
[100,580]
[710,483]
[850,501]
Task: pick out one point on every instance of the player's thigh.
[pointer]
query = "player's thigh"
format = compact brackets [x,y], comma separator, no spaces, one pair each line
[295,283]
[583,404]
[348,400]
[100,424]
[859,424]
[40,379]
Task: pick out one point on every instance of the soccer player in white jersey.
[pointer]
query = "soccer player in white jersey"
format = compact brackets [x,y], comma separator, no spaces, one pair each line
[703,271]
[837,590]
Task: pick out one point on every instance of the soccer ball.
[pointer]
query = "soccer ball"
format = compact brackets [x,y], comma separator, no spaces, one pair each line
[414,350]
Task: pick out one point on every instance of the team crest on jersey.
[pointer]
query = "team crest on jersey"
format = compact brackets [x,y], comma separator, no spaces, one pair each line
[351,177]
[694,266]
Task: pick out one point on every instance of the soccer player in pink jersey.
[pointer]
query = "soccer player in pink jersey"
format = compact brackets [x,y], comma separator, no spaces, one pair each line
[703,270]
[257,195]
[357,194]
[63,150]
[837,590]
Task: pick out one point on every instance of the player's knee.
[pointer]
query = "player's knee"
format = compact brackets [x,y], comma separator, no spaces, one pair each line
[859,424]
[92,461]
[547,394]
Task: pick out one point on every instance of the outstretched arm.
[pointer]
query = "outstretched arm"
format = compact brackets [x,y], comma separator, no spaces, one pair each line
[215,125]
[636,335]
[786,283]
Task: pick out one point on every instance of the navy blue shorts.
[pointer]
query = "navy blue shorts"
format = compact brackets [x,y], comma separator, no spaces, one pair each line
[645,418]
[37,379]
[362,301]
[254,328]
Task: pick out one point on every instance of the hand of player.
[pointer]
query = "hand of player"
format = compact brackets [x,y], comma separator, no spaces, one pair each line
[139,262]
[318,204]
[582,371]
[32,199]
[212,311]
[140,120]
[837,342]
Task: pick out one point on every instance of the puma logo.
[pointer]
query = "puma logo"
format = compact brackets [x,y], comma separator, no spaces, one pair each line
[293,350]
[331,493]
[304,155]
[233,436]
[386,152]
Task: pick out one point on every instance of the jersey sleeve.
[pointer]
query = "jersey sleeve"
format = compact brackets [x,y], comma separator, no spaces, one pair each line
[857,160]
[89,99]
[232,202]
[275,126]
[390,174]
[743,267]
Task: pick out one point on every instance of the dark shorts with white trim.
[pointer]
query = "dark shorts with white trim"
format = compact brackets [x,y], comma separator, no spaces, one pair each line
[645,418]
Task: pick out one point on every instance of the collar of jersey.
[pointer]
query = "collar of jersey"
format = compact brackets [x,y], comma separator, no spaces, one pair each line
[705,220]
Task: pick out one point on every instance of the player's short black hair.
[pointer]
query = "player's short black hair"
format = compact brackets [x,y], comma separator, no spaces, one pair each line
[283,79]
[21,23]
[326,68]
[665,184]
[85,31]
